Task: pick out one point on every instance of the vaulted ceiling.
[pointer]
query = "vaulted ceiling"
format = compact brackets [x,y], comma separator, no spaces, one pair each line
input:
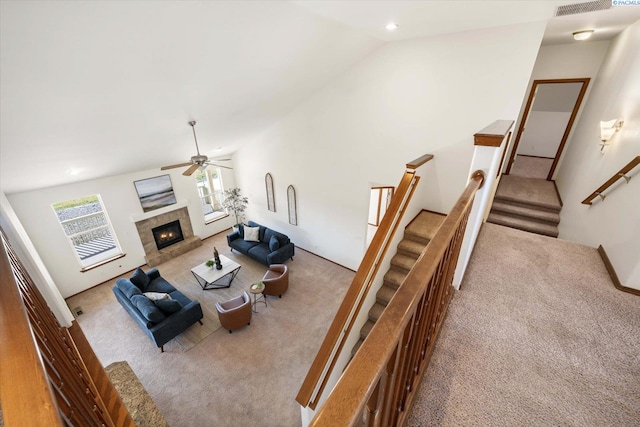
[100,88]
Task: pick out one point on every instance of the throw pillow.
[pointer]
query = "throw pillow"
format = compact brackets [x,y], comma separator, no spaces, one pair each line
[155,296]
[251,234]
[147,308]
[127,288]
[241,230]
[168,306]
[140,279]
[274,244]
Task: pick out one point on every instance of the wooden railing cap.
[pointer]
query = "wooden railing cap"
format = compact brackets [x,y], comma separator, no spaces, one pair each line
[492,135]
[415,164]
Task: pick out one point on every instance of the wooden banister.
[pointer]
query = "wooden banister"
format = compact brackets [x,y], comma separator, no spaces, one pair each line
[379,384]
[326,358]
[622,173]
[25,394]
[50,376]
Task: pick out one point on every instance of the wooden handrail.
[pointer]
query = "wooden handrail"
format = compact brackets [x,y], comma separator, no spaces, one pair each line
[50,375]
[316,379]
[415,164]
[379,384]
[622,173]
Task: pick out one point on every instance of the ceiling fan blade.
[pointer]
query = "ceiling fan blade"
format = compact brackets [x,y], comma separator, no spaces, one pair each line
[191,170]
[175,166]
[218,166]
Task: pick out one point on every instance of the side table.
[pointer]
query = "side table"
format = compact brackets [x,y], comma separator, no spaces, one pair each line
[257,289]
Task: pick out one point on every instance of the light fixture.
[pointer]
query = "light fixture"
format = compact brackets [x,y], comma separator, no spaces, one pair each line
[607,130]
[582,35]
[391,26]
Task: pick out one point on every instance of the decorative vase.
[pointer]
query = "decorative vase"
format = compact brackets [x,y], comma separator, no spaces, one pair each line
[216,258]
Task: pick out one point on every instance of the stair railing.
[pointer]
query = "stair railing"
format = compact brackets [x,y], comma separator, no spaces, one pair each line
[378,386]
[622,173]
[50,376]
[324,363]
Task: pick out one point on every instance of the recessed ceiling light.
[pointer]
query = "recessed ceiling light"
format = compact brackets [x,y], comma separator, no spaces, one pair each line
[582,35]
[73,172]
[391,26]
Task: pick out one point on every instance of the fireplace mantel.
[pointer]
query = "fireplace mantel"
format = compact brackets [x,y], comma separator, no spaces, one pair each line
[156,212]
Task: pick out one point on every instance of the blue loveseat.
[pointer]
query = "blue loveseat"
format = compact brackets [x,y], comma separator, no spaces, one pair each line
[271,248]
[161,320]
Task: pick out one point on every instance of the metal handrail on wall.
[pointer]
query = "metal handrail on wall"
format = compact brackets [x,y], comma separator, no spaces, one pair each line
[378,386]
[622,173]
[318,375]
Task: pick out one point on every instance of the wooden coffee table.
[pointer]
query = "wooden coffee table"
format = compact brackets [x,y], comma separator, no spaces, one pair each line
[212,278]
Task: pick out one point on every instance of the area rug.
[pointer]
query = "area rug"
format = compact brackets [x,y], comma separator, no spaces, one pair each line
[139,403]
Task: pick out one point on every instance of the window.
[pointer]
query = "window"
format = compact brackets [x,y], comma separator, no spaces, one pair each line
[87,226]
[210,190]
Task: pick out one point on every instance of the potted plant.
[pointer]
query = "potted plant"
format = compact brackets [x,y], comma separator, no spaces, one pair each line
[209,263]
[234,202]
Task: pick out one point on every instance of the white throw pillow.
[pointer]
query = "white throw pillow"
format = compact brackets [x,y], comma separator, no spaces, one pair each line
[252,234]
[154,296]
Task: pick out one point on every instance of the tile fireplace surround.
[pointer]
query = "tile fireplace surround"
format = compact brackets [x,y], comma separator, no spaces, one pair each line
[153,256]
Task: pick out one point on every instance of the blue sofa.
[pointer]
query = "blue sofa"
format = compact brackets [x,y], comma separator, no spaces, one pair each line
[272,247]
[161,320]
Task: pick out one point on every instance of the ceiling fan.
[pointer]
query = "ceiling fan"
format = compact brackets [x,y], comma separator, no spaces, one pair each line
[199,161]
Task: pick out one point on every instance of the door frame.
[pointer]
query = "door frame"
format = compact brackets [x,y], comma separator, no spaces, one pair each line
[527,110]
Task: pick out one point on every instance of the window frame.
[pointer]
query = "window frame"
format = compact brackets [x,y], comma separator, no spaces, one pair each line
[215,215]
[100,258]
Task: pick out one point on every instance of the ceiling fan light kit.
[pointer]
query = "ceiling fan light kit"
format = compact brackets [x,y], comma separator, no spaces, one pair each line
[199,161]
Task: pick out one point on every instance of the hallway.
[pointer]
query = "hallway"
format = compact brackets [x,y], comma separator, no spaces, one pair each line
[537,335]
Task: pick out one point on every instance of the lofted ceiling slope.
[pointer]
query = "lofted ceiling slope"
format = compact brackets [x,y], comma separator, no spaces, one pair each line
[100,88]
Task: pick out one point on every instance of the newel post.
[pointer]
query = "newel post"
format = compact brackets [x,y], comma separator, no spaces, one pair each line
[490,145]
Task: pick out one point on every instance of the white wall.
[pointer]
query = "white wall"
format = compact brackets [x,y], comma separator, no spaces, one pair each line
[614,223]
[32,262]
[404,100]
[119,197]
[565,61]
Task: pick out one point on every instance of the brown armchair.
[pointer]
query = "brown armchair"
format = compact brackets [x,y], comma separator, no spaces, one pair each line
[235,313]
[276,280]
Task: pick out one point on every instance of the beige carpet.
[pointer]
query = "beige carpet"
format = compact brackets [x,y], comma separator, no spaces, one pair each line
[246,378]
[538,336]
[531,167]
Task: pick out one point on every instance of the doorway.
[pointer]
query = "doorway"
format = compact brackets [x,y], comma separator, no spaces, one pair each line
[549,114]
[379,200]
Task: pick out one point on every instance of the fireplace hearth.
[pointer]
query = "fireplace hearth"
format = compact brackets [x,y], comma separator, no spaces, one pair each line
[167,234]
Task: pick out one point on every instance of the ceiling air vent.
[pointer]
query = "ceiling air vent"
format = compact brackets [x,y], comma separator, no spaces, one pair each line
[590,6]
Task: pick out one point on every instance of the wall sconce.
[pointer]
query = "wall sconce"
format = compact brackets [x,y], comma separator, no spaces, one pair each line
[607,130]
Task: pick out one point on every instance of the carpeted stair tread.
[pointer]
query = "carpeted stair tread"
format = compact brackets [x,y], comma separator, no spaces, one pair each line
[527,212]
[425,225]
[376,312]
[384,295]
[403,262]
[545,229]
[411,247]
[536,192]
[366,329]
[394,277]
[357,346]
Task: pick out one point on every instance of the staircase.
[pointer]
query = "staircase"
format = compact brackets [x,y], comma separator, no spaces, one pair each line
[528,204]
[416,237]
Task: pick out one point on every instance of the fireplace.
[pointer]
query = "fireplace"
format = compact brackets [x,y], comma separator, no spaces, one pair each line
[167,234]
